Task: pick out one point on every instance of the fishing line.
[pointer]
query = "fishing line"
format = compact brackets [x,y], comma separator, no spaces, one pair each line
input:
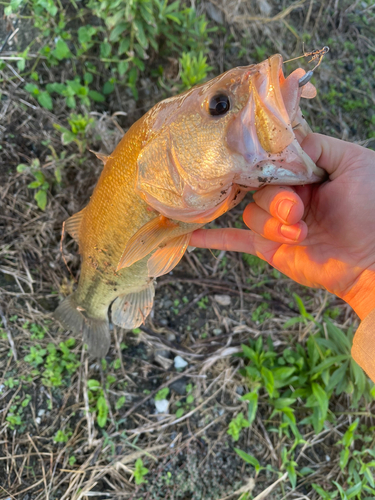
[314,55]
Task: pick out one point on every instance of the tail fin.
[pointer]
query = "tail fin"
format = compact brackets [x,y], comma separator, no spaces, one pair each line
[95,330]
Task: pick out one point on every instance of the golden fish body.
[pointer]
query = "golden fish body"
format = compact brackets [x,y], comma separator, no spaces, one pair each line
[184,163]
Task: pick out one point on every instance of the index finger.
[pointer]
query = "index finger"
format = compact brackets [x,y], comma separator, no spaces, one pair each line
[235,240]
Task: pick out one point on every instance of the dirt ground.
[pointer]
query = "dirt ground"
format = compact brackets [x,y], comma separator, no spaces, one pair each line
[205,309]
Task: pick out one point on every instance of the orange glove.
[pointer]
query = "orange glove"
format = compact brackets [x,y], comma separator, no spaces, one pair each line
[320,235]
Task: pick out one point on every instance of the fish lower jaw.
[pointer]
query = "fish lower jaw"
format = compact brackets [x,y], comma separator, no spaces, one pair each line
[266,172]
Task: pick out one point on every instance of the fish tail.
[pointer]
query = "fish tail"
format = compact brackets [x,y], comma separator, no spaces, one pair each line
[95,330]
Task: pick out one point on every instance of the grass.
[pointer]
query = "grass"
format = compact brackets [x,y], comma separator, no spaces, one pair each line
[270,396]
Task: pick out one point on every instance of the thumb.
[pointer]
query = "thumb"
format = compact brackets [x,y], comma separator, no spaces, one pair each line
[333,155]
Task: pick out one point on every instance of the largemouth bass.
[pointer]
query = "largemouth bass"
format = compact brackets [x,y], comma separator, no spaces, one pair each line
[187,161]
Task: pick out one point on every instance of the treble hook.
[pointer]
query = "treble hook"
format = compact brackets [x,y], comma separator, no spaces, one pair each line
[314,55]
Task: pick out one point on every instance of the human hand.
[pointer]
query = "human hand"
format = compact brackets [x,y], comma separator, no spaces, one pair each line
[320,235]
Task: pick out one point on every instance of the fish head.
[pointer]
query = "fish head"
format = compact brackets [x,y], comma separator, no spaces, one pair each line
[207,147]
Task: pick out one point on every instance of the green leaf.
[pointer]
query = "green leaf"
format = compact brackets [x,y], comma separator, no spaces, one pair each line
[292,474]
[123,67]
[268,380]
[249,353]
[102,408]
[41,199]
[337,376]
[140,34]
[354,490]
[344,457]
[321,397]
[71,102]
[67,137]
[120,402]
[341,341]
[180,412]
[324,494]
[93,384]
[59,88]
[328,362]
[248,459]
[117,31]
[88,78]
[105,49]
[62,50]
[162,394]
[85,33]
[108,87]
[252,398]
[21,64]
[283,403]
[45,100]
[21,167]
[34,184]
[32,88]
[96,96]
[124,46]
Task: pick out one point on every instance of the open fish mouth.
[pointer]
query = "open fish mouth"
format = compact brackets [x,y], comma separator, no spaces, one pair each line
[265,132]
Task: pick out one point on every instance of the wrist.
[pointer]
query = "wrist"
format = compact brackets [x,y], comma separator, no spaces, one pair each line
[361,296]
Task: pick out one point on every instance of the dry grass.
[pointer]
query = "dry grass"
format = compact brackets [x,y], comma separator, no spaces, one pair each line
[195,448]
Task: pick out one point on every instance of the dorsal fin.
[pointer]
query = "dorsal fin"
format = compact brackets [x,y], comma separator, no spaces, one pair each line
[167,257]
[145,240]
[73,224]
[101,156]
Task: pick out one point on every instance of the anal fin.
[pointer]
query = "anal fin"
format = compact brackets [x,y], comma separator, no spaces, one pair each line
[130,310]
[145,240]
[167,257]
[73,224]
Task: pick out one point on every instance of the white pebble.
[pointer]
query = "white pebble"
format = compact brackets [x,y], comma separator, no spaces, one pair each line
[162,406]
[223,300]
[179,362]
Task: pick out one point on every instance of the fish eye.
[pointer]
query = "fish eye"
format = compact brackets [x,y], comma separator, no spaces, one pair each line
[218,105]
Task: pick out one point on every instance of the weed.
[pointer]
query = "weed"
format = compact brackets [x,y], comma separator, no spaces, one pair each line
[97,401]
[194,69]
[256,264]
[304,379]
[162,394]
[39,183]
[16,412]
[236,425]
[58,363]
[62,436]
[261,314]
[186,404]
[139,472]
[202,303]
[79,126]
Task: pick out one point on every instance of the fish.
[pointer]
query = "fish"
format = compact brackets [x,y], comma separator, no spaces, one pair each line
[188,160]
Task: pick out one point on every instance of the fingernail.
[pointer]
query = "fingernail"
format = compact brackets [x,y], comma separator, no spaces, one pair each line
[291,232]
[284,208]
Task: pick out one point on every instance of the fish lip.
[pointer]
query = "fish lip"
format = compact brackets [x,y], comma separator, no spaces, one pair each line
[243,135]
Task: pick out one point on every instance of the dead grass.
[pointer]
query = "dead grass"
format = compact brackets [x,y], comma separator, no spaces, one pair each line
[195,448]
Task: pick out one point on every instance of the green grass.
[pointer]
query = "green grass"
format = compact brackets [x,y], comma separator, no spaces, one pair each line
[297,389]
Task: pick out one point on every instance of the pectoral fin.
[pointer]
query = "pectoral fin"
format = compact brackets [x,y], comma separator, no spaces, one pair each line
[131,310]
[146,240]
[167,257]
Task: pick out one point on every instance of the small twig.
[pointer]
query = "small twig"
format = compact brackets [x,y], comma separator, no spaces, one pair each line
[87,407]
[9,335]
